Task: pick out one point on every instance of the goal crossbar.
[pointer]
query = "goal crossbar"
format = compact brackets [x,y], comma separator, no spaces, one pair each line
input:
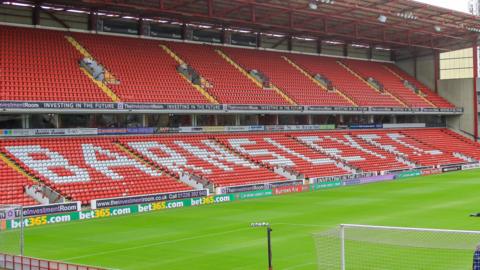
[407,228]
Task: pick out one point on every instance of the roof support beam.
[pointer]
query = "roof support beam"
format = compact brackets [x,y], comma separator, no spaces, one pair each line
[92,20]
[475,80]
[319,46]
[259,40]
[55,18]
[210,7]
[253,14]
[36,15]
[183,3]
[226,12]
[280,42]
[155,12]
[316,13]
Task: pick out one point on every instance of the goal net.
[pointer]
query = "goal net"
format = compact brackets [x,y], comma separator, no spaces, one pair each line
[11,240]
[363,247]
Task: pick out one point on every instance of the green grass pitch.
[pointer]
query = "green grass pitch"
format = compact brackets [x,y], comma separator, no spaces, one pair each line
[219,237]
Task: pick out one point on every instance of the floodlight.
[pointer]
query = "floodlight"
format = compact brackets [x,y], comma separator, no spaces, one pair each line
[382,18]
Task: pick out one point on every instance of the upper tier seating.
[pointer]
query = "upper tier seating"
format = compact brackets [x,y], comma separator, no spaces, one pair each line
[433,97]
[12,186]
[200,156]
[286,77]
[41,65]
[359,91]
[391,82]
[88,168]
[146,72]
[282,151]
[229,85]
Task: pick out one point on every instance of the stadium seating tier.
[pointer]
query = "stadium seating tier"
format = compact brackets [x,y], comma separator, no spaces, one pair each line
[41,65]
[228,85]
[86,168]
[145,71]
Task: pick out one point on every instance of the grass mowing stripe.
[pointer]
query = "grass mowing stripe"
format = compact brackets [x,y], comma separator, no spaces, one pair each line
[152,245]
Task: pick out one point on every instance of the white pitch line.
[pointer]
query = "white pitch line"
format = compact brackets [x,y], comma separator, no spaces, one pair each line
[153,244]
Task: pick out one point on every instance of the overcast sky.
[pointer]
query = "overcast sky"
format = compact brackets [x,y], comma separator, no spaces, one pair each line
[460,5]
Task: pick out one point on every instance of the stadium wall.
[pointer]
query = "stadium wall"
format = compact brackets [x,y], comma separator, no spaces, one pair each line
[12,14]
[407,65]
[425,67]
[460,93]
[426,70]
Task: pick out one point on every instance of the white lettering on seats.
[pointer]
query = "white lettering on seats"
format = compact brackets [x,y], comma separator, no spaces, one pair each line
[45,167]
[293,153]
[175,162]
[398,138]
[352,143]
[337,153]
[373,139]
[237,144]
[215,158]
[115,161]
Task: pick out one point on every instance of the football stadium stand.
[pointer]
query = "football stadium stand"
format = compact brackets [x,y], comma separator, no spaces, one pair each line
[344,80]
[448,140]
[86,168]
[296,85]
[12,186]
[201,156]
[40,65]
[430,95]
[390,82]
[346,147]
[43,65]
[228,84]
[137,63]
[281,150]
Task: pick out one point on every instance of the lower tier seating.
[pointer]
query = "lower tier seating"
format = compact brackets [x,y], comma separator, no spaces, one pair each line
[87,168]
[12,186]
[202,157]
[278,150]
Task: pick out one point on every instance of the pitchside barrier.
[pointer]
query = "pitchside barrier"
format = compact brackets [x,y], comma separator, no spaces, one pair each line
[11,262]
[117,207]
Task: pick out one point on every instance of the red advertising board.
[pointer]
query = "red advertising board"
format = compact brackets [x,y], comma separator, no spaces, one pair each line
[431,171]
[290,189]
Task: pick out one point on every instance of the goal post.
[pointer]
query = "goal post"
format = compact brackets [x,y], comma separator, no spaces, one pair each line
[11,240]
[362,247]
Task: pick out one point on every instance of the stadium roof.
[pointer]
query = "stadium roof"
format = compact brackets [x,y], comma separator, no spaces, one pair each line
[398,24]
